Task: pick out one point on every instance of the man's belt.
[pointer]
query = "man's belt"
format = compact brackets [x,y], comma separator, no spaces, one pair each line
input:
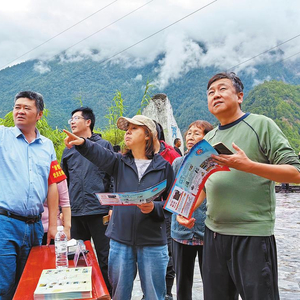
[27,220]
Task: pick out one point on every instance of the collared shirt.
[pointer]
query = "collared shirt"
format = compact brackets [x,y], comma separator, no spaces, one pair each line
[24,171]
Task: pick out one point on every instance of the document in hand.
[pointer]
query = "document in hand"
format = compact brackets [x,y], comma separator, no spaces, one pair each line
[191,177]
[132,198]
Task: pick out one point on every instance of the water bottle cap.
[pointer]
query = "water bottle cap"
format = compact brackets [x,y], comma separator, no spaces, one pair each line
[60,228]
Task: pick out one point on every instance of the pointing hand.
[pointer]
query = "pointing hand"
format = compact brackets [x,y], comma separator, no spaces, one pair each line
[72,139]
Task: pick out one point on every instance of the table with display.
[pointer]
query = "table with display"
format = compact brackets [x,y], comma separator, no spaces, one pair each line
[43,257]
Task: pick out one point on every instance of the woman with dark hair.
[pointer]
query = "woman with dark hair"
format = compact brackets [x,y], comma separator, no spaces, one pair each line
[137,233]
[188,242]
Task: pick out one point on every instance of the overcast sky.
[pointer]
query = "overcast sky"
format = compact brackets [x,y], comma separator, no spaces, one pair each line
[231,30]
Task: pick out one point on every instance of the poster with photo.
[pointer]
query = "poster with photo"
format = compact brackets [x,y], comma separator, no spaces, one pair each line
[191,177]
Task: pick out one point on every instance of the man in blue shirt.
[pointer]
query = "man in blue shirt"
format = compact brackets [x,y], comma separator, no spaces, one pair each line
[25,159]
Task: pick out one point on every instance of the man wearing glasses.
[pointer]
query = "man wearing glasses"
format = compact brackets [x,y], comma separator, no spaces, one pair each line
[84,180]
[25,159]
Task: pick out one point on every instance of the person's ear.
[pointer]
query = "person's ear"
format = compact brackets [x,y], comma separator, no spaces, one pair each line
[240,97]
[39,115]
[88,122]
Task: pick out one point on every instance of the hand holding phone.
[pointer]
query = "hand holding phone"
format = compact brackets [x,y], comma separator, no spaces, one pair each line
[222,149]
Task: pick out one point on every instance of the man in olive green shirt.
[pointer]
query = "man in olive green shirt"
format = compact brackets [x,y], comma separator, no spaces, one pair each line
[239,255]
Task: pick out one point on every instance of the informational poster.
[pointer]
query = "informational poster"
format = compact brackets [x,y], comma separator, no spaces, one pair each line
[191,177]
[132,198]
[66,283]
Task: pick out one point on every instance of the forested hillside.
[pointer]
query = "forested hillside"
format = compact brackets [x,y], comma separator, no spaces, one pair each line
[67,85]
[280,102]
[64,84]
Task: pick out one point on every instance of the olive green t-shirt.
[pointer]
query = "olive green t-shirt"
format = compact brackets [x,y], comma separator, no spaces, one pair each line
[240,203]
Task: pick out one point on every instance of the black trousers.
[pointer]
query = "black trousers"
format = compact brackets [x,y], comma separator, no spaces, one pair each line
[184,257]
[87,227]
[239,265]
[170,268]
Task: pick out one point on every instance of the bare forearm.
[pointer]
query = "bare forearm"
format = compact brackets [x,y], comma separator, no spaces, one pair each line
[52,200]
[200,199]
[66,219]
[66,211]
[278,173]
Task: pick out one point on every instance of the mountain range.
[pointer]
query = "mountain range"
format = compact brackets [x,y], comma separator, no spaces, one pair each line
[270,89]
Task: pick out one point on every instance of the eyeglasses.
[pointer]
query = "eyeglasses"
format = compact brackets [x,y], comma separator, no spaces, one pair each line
[76,118]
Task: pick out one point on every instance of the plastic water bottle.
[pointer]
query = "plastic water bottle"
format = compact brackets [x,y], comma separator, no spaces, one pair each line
[61,248]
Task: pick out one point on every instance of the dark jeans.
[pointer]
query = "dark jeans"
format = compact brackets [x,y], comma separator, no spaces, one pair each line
[245,265]
[16,240]
[87,227]
[184,257]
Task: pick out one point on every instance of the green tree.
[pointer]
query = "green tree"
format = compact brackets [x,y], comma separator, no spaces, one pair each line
[79,98]
[55,135]
[146,97]
[280,102]
[8,120]
[112,133]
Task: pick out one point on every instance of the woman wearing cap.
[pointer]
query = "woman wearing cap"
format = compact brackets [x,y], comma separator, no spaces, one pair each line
[137,233]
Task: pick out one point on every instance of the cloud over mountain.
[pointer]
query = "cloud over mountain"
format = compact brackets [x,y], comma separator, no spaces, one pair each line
[223,33]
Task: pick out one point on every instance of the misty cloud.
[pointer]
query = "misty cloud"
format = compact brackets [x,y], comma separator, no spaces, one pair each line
[171,67]
[41,67]
[257,82]
[138,77]
[232,33]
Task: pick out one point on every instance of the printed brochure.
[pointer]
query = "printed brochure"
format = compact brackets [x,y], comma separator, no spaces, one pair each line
[68,283]
[191,177]
[132,198]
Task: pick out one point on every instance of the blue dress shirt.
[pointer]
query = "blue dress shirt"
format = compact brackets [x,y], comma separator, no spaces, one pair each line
[24,171]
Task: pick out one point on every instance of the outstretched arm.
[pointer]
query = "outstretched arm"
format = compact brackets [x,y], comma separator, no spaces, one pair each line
[72,139]
[240,161]
[104,158]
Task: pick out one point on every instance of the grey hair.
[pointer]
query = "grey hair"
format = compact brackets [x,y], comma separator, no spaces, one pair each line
[237,83]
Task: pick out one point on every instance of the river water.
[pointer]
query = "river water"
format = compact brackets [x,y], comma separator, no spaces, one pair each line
[287,233]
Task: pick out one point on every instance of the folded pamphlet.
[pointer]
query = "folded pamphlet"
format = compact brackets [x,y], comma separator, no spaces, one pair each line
[191,177]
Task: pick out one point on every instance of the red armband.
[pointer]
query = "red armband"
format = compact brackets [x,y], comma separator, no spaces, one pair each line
[56,173]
